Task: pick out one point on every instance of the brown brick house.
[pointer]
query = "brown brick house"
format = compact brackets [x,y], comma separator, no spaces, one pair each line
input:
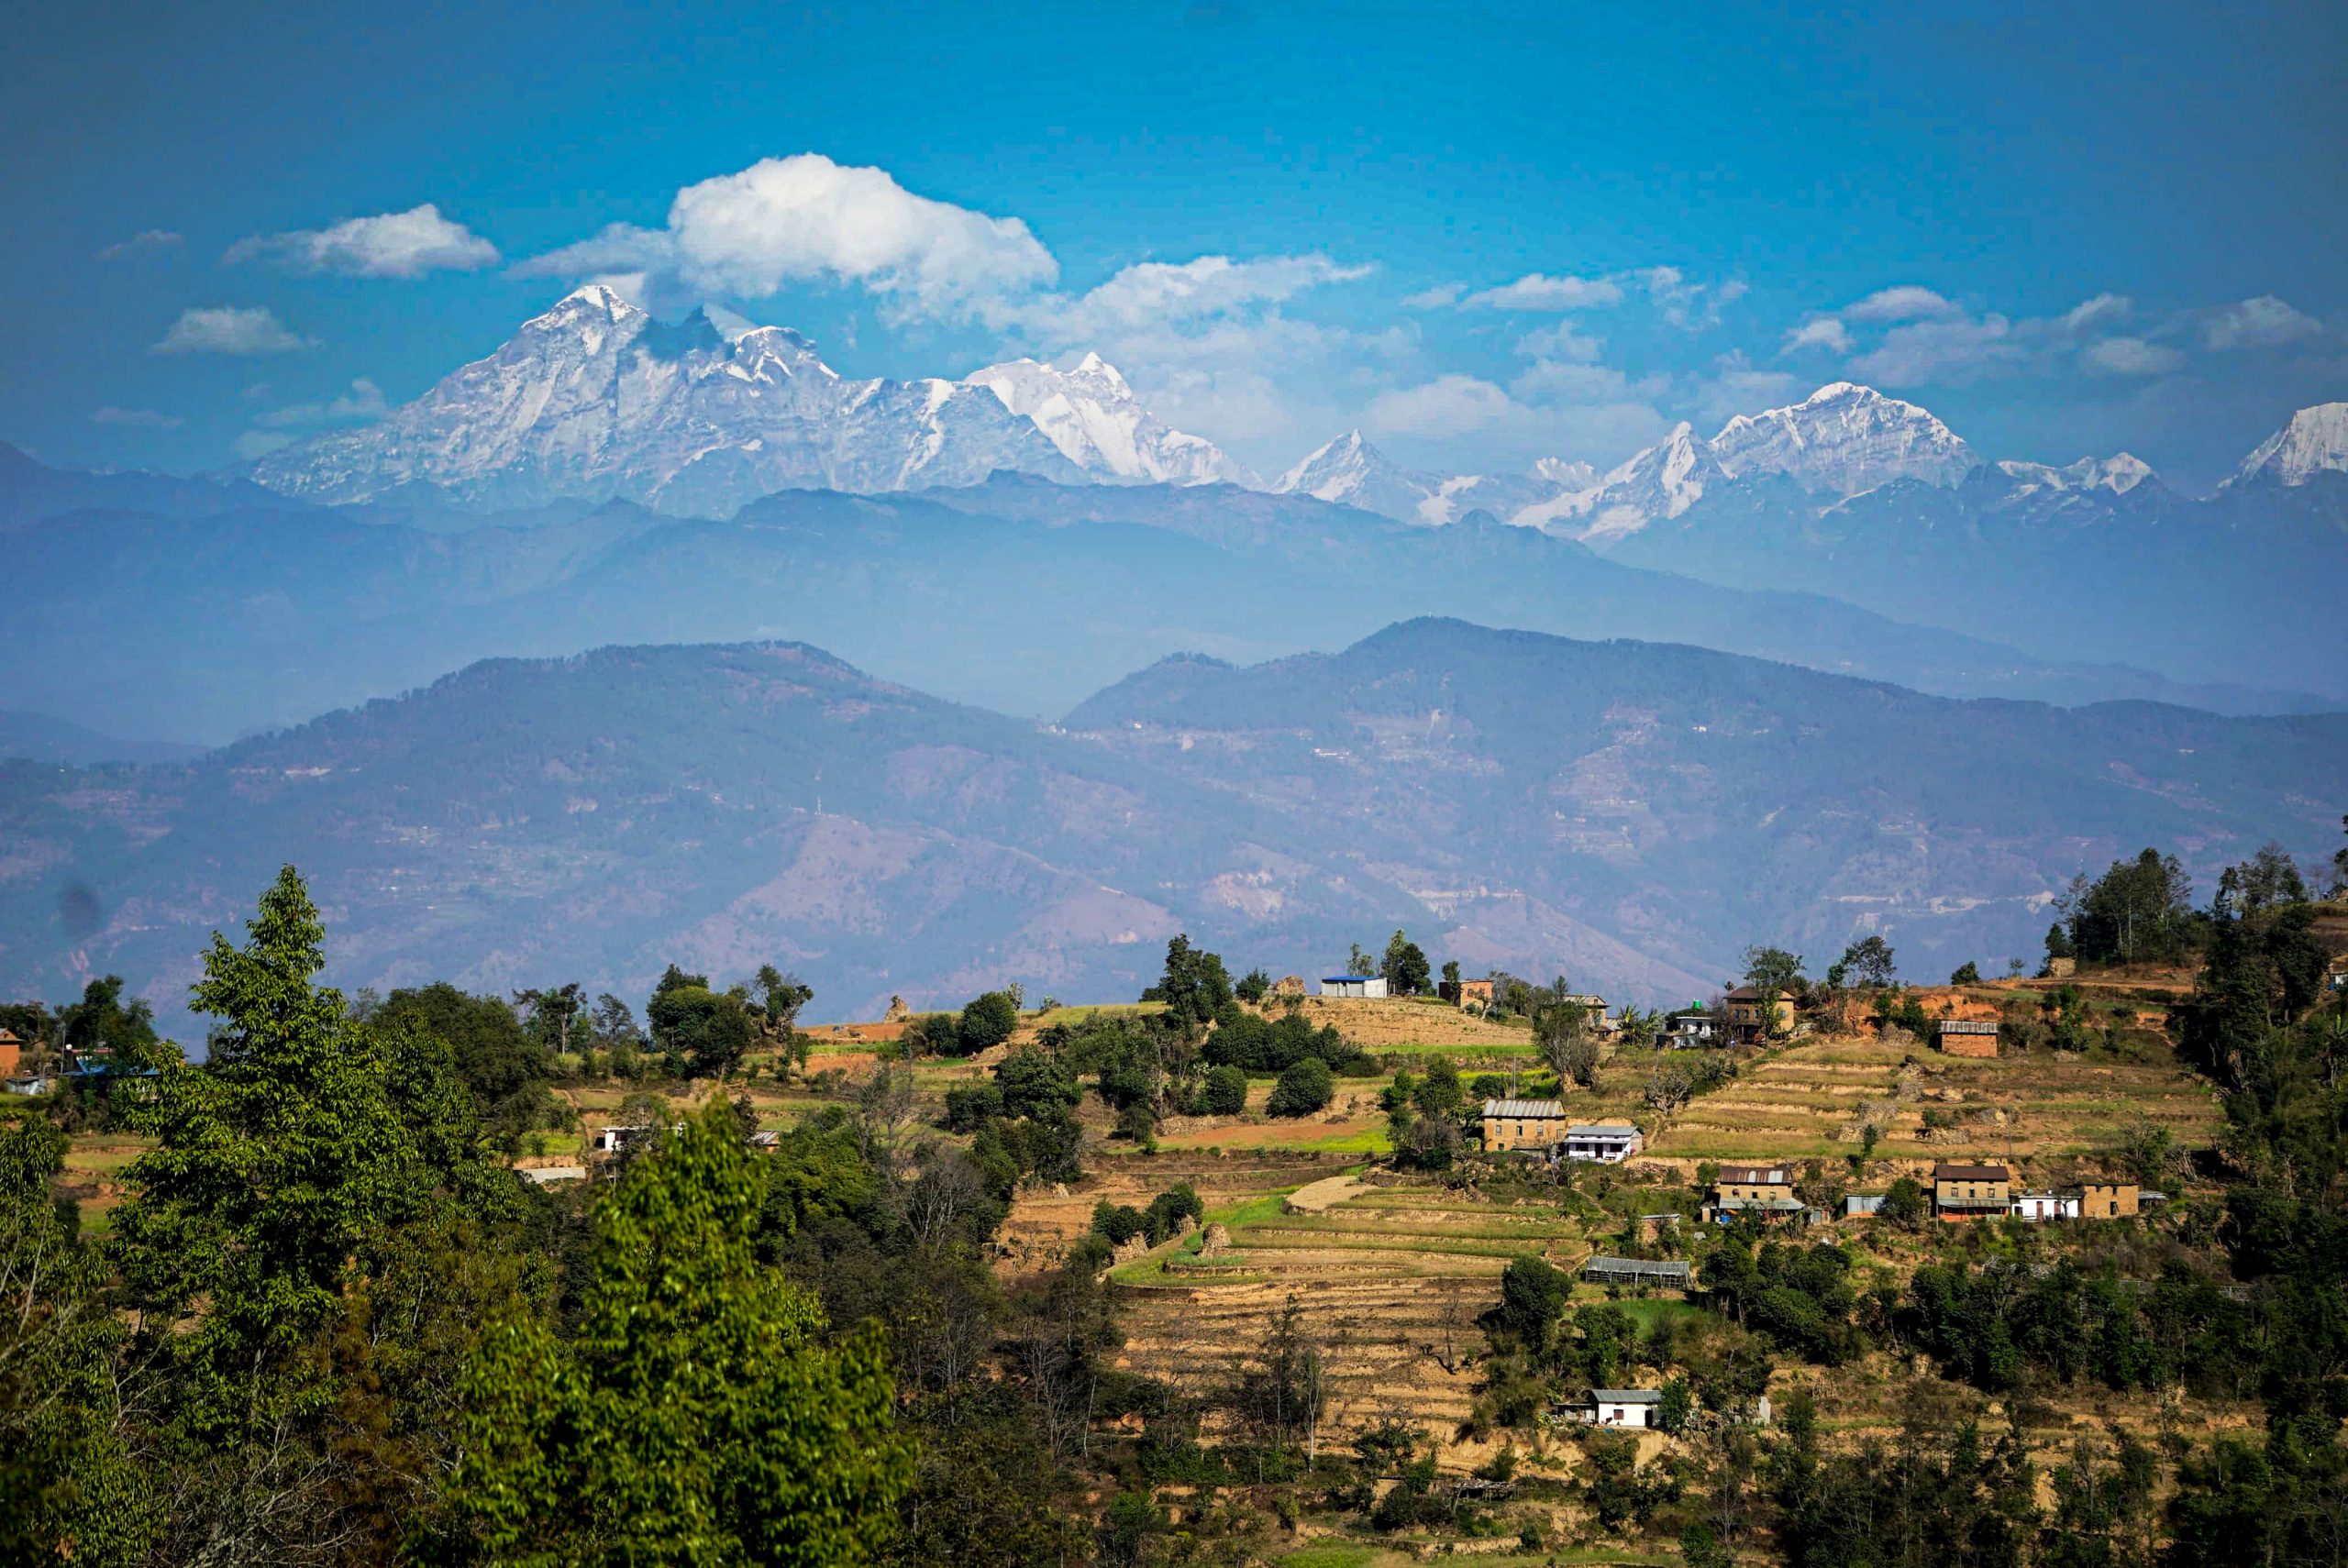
[1750,1019]
[1767,1191]
[2109,1200]
[1524,1125]
[1968,1192]
[1966,1037]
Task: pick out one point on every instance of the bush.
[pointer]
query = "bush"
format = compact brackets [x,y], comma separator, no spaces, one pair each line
[1253,986]
[970,1108]
[1034,1082]
[1531,1296]
[1226,1090]
[1305,1087]
[1120,1223]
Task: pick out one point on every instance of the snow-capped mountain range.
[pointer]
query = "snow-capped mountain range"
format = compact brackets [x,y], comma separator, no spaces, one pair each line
[595,399]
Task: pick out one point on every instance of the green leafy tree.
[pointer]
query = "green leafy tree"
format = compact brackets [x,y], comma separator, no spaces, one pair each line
[1869,961]
[1305,1086]
[695,1417]
[1226,1090]
[2268,879]
[1253,986]
[1562,1030]
[1405,967]
[1195,988]
[1773,969]
[987,1021]
[1968,974]
[1533,1295]
[1035,1082]
[1906,1204]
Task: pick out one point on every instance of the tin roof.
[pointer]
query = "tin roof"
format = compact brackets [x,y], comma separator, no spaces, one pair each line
[1756,1176]
[1602,1130]
[1626,1395]
[1529,1109]
[1966,1026]
[1950,1171]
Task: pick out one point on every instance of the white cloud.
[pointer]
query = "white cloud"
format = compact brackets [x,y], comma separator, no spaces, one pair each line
[389,245]
[1558,340]
[1684,303]
[363,401]
[1159,292]
[1538,290]
[230,329]
[261,443]
[1558,381]
[805,219]
[2264,322]
[1826,332]
[1737,386]
[136,418]
[1953,351]
[1437,298]
[1447,406]
[1906,302]
[2129,357]
[145,239]
[2101,310]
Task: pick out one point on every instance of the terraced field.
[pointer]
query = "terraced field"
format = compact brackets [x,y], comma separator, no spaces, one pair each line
[1391,1278]
[1815,1100]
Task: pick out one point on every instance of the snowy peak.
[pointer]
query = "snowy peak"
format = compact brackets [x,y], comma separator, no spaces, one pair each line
[1349,472]
[1092,417]
[2314,442]
[595,400]
[1841,440]
[2118,474]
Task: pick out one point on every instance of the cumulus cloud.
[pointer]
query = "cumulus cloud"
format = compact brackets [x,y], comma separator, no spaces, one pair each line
[1538,290]
[1956,349]
[2129,357]
[144,240]
[1826,332]
[1447,406]
[230,329]
[2264,322]
[136,418]
[1176,292]
[1441,296]
[1906,302]
[805,219]
[389,245]
[1562,380]
[1682,302]
[363,401]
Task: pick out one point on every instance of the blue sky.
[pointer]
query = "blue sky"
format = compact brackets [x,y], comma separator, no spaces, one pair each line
[1484,234]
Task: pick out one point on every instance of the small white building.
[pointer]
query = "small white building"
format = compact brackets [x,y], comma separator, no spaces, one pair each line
[1625,1407]
[1353,985]
[1609,1143]
[2036,1206]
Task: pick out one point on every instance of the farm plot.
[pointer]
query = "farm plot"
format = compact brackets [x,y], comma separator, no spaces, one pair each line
[1390,1279]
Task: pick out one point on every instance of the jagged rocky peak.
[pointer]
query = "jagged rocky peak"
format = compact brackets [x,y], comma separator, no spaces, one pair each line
[1841,440]
[2314,441]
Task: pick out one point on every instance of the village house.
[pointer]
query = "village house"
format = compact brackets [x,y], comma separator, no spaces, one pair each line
[1524,1124]
[1673,1274]
[1750,1019]
[1475,995]
[1862,1205]
[1621,1406]
[2109,1200]
[1594,1012]
[11,1053]
[1609,1143]
[1765,1191]
[1353,985]
[2040,1206]
[1687,1030]
[1966,1036]
[1968,1192]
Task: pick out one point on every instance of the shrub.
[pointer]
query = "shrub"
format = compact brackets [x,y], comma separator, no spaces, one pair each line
[970,1108]
[987,1021]
[1305,1087]
[1226,1090]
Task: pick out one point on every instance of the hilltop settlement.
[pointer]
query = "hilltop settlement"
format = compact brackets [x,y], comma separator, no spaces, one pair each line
[1831,1266]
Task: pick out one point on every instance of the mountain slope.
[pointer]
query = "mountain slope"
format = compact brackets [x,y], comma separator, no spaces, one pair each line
[1687,803]
[2314,441]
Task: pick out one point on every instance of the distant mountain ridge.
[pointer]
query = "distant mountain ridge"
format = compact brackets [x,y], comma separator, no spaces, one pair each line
[1627,813]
